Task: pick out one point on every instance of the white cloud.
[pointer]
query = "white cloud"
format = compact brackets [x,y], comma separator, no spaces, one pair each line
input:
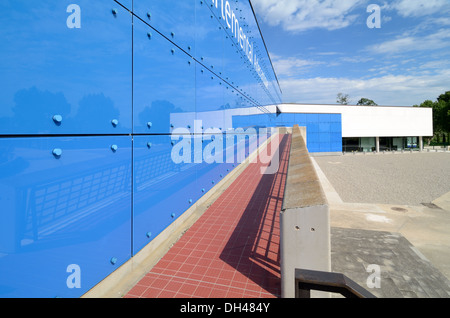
[356,59]
[442,21]
[291,66]
[301,15]
[437,40]
[418,8]
[433,65]
[388,90]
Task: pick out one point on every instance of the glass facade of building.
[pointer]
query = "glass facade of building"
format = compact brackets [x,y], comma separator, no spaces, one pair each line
[87,175]
[368,144]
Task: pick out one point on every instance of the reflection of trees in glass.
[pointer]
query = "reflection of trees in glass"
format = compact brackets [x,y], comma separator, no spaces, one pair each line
[4,123]
[91,108]
[238,103]
[10,164]
[158,114]
[36,108]
[226,106]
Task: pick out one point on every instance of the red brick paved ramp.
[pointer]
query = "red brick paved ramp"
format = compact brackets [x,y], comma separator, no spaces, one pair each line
[232,251]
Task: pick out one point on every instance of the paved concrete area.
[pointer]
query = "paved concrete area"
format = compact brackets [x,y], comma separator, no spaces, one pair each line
[404,271]
[443,202]
[400,178]
[409,240]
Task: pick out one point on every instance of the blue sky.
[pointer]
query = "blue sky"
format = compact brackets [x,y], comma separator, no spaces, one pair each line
[320,48]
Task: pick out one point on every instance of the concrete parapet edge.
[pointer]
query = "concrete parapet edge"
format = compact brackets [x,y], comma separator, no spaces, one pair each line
[304,219]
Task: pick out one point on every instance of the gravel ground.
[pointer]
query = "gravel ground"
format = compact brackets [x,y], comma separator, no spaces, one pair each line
[408,179]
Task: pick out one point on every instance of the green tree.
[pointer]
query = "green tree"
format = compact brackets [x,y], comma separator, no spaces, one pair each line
[366,102]
[342,99]
[441,116]
[444,97]
[444,101]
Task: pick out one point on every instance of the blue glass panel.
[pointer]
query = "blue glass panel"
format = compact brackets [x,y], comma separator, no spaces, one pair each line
[336,118]
[313,128]
[321,135]
[174,19]
[261,120]
[164,82]
[237,18]
[209,38]
[325,147]
[300,119]
[313,147]
[325,118]
[128,4]
[336,147]
[230,101]
[233,66]
[336,127]
[209,93]
[67,69]
[324,138]
[282,118]
[218,160]
[63,201]
[313,137]
[312,118]
[324,127]
[336,138]
[291,118]
[59,76]
[266,120]
[163,187]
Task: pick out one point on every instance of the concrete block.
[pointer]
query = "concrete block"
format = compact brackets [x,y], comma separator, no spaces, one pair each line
[304,219]
[304,244]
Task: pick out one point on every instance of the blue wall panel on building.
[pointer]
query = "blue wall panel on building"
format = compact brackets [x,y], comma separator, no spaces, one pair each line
[64,200]
[324,131]
[175,20]
[128,4]
[209,39]
[60,80]
[163,188]
[218,159]
[87,175]
[164,81]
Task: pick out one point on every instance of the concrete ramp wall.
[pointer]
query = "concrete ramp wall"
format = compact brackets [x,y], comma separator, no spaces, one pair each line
[304,219]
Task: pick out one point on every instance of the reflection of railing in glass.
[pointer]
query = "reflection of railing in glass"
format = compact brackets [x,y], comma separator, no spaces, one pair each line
[66,203]
[81,203]
[152,170]
[60,204]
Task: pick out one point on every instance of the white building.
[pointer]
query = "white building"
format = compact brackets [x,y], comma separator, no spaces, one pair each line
[362,128]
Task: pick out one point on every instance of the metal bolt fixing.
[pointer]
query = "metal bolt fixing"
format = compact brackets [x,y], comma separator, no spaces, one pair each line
[57,152]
